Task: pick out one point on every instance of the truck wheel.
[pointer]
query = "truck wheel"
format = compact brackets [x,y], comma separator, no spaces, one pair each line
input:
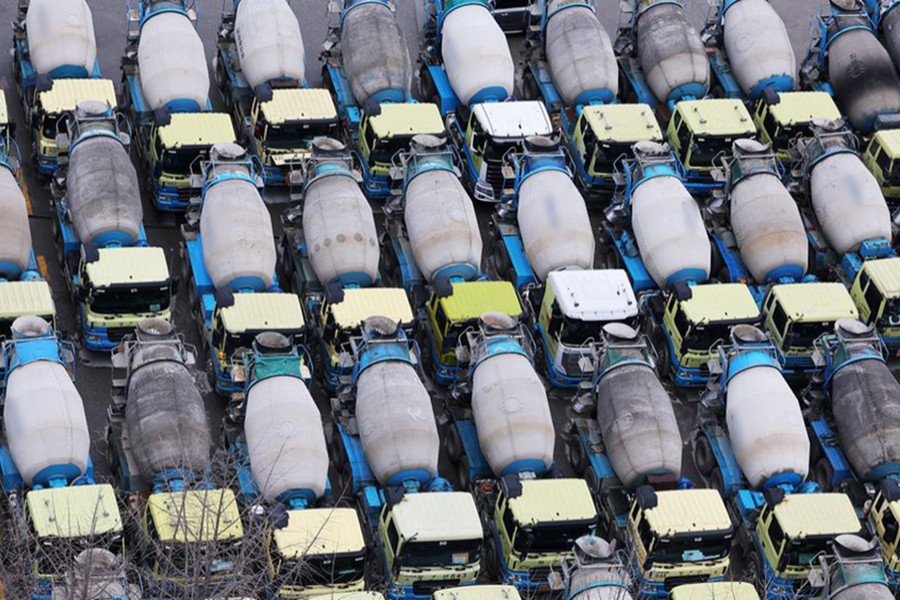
[530,89]
[704,458]
[754,571]
[823,474]
[491,563]
[717,481]
[453,443]
[575,454]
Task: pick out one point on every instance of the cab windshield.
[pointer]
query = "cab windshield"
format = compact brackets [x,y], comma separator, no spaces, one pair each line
[298,135]
[384,149]
[323,570]
[705,149]
[441,554]
[198,560]
[178,161]
[891,313]
[803,552]
[244,339]
[703,337]
[55,555]
[551,537]
[804,334]
[606,155]
[674,550]
[141,298]
[51,126]
[575,332]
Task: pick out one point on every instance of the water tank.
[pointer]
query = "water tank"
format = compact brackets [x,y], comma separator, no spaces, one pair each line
[669,232]
[638,424]
[863,77]
[759,48]
[671,54]
[61,40]
[768,228]
[165,415]
[765,425]
[340,231]
[172,64]
[15,234]
[512,415]
[285,438]
[580,55]
[376,59]
[269,43]
[442,225]
[238,241]
[102,192]
[476,55]
[554,224]
[43,415]
[396,423]
[865,402]
[848,202]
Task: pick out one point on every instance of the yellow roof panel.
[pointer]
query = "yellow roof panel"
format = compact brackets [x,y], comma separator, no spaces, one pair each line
[76,511]
[4,110]
[623,123]
[128,265]
[723,590]
[438,516]
[410,118]
[890,141]
[720,302]
[802,515]
[815,302]
[320,531]
[338,595]
[716,116]
[19,298]
[472,299]
[300,104]
[885,272]
[361,303]
[67,93]
[196,516]
[684,511]
[803,107]
[264,311]
[553,500]
[197,129]
[478,592]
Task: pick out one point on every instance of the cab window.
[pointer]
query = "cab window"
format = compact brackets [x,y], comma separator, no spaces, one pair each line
[773,128]
[509,522]
[883,161]
[681,322]
[891,527]
[440,319]
[369,136]
[779,319]
[556,320]
[393,536]
[776,534]
[873,298]
[645,534]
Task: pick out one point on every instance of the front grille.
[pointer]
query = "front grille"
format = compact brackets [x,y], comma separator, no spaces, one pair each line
[494,175]
[510,4]
[116,334]
[539,574]
[428,588]
[674,582]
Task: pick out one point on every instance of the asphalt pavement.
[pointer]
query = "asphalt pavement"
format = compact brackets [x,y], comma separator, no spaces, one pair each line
[93,379]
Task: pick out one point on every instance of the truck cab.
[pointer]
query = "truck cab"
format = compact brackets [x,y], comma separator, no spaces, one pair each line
[320,551]
[789,532]
[191,539]
[64,521]
[449,312]
[493,129]
[876,293]
[388,132]
[46,114]
[678,536]
[534,527]
[796,314]
[338,321]
[478,592]
[723,590]
[884,520]
[882,157]
[280,131]
[702,131]
[602,135]
[25,298]
[569,322]
[176,151]
[782,116]
[692,319]
[236,323]
[430,541]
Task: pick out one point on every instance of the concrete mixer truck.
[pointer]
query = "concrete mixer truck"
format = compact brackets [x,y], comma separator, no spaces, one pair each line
[159,452]
[385,445]
[163,74]
[501,436]
[782,116]
[97,574]
[843,201]
[543,226]
[260,70]
[478,592]
[660,54]
[226,259]
[655,227]
[880,156]
[46,468]
[877,298]
[55,65]
[853,568]
[275,437]
[597,571]
[846,59]
[115,277]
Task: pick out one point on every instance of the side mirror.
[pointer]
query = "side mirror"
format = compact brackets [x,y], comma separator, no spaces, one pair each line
[125,139]
[82,292]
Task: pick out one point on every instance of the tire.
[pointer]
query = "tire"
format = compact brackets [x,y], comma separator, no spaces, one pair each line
[717,481]
[704,458]
[453,443]
[754,572]
[823,474]
[577,456]
[491,560]
[530,88]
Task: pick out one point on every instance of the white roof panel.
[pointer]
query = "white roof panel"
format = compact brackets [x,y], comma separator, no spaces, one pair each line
[514,119]
[595,295]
